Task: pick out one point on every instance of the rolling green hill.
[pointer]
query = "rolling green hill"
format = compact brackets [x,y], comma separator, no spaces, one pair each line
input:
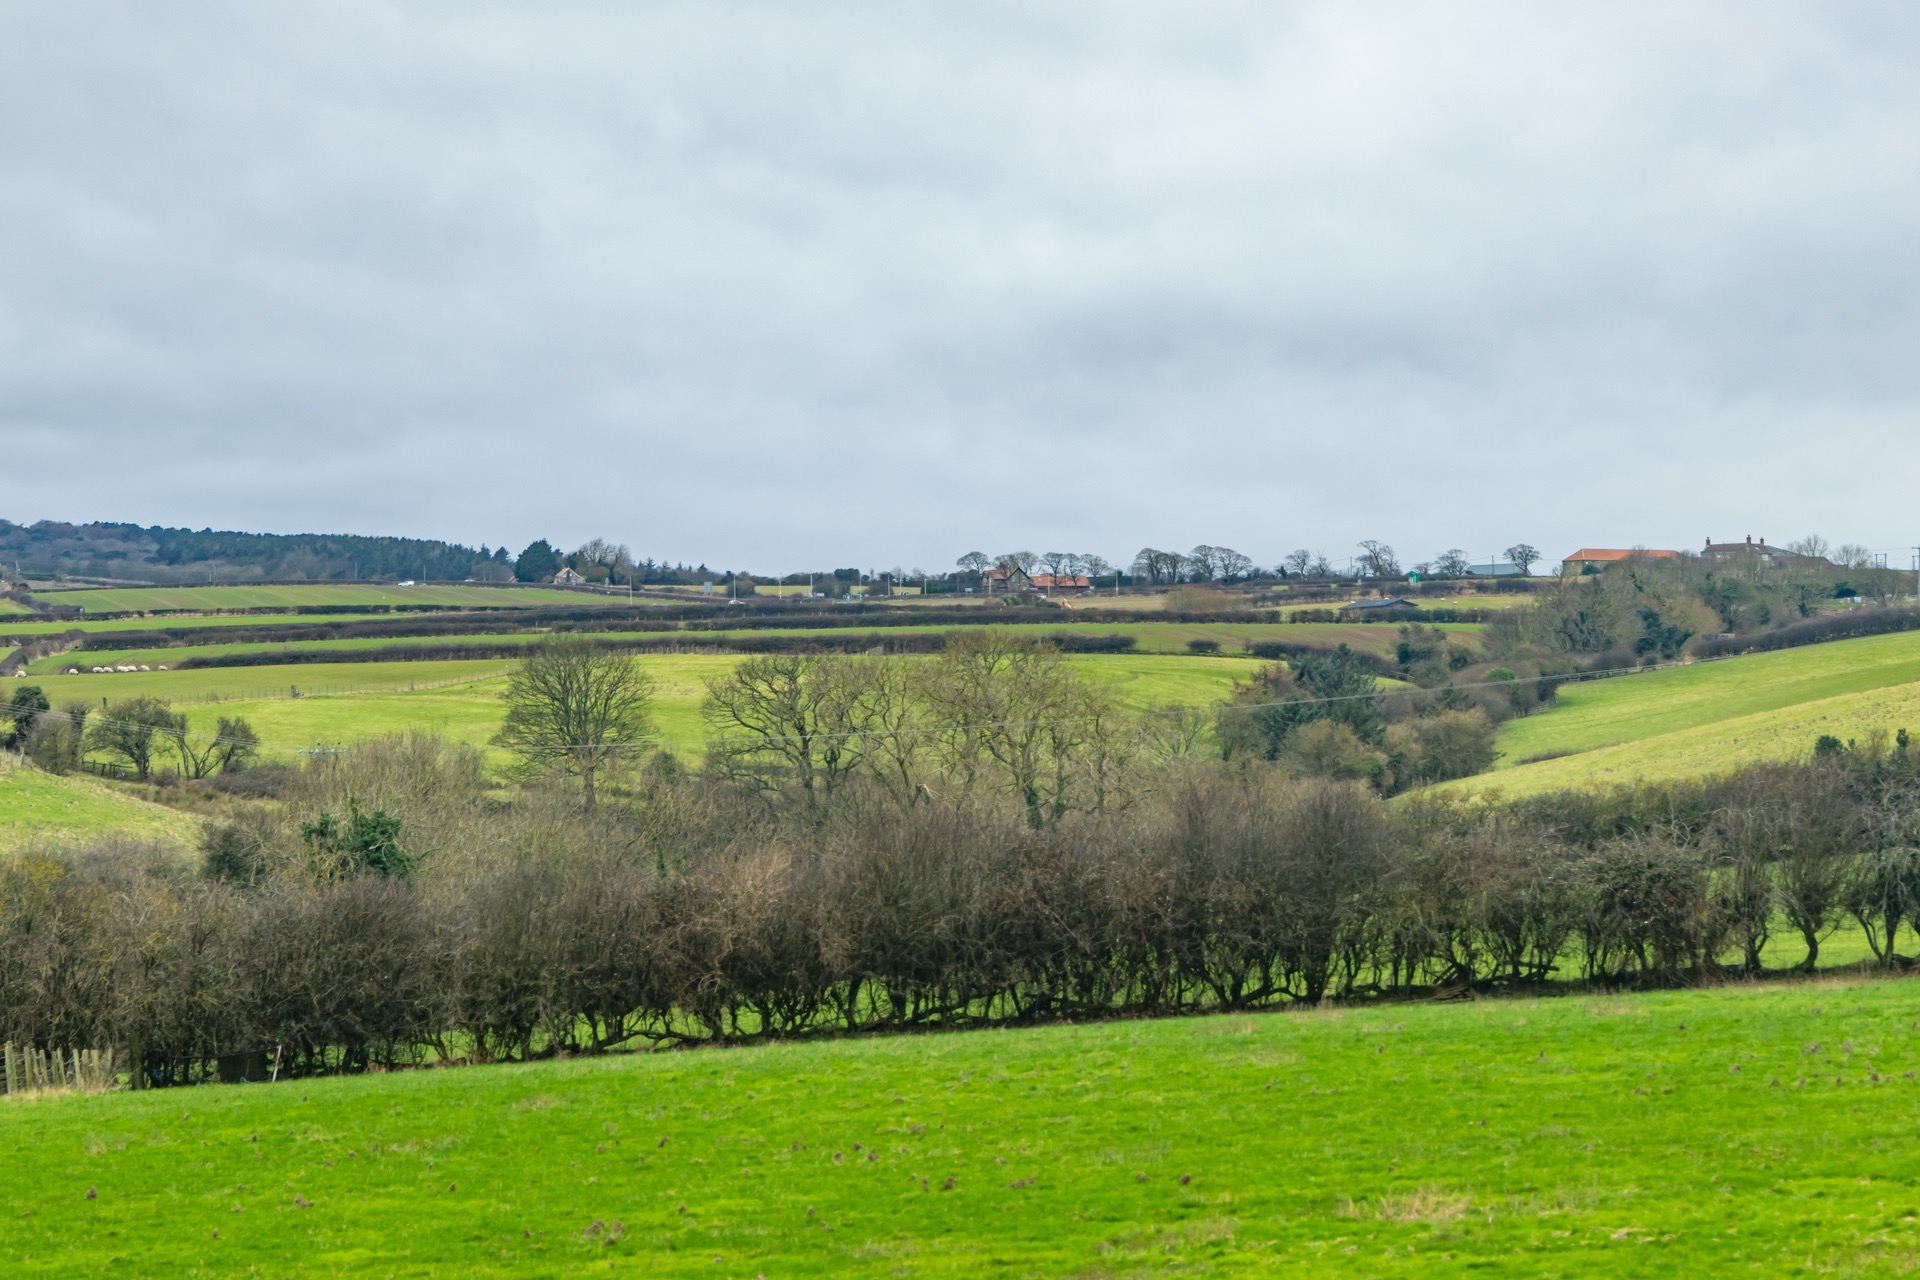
[339,703]
[35,804]
[1708,717]
[1753,1130]
[1170,638]
[129,599]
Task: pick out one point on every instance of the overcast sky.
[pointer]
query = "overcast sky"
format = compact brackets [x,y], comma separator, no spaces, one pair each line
[791,285]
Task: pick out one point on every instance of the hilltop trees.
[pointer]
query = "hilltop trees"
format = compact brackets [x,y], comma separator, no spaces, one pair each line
[537,563]
[1377,560]
[1523,558]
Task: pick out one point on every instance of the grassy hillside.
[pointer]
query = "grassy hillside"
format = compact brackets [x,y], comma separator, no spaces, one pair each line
[342,702]
[1149,637]
[1714,747]
[1628,709]
[1709,717]
[121,599]
[1756,1130]
[10,627]
[34,804]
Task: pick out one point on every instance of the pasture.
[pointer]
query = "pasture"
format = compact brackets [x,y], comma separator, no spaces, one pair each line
[1709,717]
[340,704]
[1757,1129]
[33,803]
[1149,637]
[213,598]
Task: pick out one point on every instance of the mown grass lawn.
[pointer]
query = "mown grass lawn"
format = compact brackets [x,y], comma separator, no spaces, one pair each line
[1760,1130]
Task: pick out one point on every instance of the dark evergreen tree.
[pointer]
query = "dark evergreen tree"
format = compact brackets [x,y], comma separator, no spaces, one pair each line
[537,563]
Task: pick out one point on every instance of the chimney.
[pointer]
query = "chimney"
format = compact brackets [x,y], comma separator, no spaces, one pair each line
[1749,539]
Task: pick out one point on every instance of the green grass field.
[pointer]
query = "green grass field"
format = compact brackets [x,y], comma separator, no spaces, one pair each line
[124,599]
[1150,637]
[1749,1130]
[1709,717]
[34,804]
[343,702]
[10,628]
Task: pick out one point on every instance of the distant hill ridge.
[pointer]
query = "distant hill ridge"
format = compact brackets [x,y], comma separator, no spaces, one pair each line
[130,553]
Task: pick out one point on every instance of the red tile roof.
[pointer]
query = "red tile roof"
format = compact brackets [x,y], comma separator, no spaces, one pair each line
[1608,555]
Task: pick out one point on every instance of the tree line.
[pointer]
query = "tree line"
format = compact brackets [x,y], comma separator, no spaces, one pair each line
[387,906]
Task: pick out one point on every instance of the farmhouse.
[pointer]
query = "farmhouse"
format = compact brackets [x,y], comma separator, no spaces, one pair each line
[1594,559]
[1762,555]
[1010,578]
[568,578]
[1062,582]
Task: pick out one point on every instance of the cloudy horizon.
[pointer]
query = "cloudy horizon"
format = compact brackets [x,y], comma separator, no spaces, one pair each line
[876,285]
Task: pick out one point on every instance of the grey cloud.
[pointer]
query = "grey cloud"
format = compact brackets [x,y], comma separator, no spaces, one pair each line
[780,285]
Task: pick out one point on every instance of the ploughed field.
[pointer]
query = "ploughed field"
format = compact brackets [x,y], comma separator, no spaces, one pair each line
[1750,1129]
[1709,717]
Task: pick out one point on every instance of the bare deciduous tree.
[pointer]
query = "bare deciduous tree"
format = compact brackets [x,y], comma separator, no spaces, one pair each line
[1523,558]
[1377,560]
[574,708]
[135,729]
[232,747]
[788,716]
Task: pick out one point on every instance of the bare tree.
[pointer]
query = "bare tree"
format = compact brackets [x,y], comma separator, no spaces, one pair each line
[1007,710]
[788,716]
[135,729]
[1096,568]
[1811,545]
[1377,560]
[1851,555]
[1232,566]
[1523,557]
[972,562]
[1158,567]
[1298,562]
[232,748]
[1024,561]
[573,708]
[1059,563]
[1451,563]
